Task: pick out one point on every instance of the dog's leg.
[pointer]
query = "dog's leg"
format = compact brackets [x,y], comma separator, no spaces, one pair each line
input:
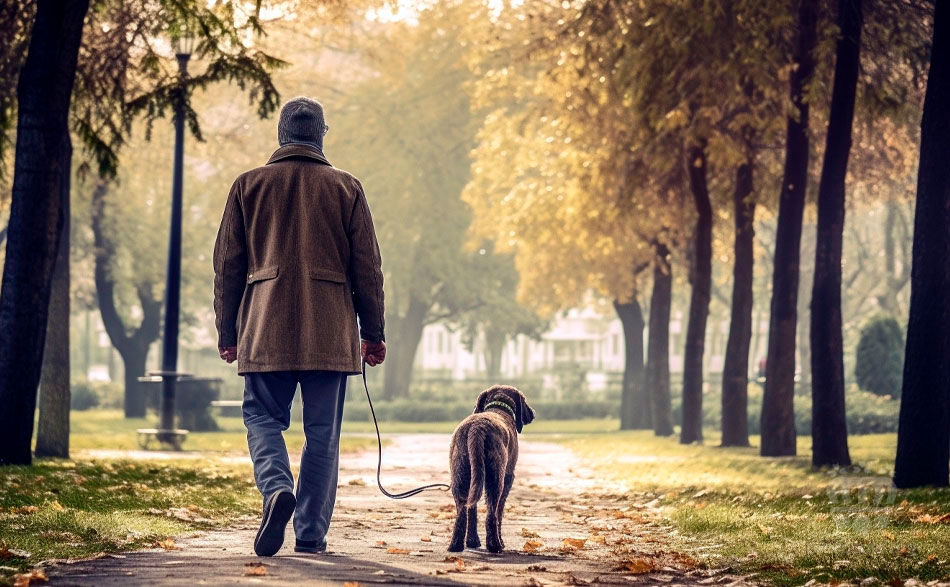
[494,486]
[509,480]
[461,514]
[472,540]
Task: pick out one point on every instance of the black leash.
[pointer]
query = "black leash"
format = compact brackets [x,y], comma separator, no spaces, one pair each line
[379,463]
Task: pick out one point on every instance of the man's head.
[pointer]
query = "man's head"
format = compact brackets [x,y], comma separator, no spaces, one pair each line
[301,121]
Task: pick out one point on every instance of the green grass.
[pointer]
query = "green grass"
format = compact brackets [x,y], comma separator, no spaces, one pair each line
[68,509]
[779,517]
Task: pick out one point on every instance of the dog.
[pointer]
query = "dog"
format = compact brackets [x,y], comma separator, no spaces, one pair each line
[483,454]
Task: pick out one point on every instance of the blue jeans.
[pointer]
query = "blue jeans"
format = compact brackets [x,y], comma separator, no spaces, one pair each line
[267,399]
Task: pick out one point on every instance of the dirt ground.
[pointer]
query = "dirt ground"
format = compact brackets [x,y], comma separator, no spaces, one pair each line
[562,526]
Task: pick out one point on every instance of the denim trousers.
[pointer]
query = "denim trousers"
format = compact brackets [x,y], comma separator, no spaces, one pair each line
[267,399]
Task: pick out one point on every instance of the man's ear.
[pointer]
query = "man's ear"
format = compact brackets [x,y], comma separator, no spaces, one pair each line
[481,401]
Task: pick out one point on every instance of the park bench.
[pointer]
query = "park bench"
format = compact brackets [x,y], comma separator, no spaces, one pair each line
[228,407]
[175,438]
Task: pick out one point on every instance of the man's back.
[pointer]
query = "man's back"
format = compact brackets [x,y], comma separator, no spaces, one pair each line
[296,259]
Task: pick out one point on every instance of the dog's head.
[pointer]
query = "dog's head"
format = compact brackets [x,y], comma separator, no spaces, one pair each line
[511,396]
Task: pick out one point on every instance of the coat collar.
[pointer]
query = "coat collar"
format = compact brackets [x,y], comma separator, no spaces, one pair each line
[298,150]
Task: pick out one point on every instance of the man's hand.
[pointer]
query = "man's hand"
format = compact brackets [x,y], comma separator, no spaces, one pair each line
[228,353]
[373,353]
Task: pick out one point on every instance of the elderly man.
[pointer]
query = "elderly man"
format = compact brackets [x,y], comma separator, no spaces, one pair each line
[296,262]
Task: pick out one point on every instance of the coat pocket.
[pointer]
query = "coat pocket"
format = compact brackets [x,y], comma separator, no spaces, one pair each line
[263,273]
[327,275]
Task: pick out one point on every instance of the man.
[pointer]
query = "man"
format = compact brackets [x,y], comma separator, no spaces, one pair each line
[296,262]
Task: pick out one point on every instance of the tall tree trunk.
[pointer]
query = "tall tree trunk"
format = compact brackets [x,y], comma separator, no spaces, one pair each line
[494,348]
[402,353]
[735,371]
[897,269]
[36,217]
[130,346]
[829,428]
[778,413]
[635,413]
[52,434]
[923,437]
[701,282]
[658,349]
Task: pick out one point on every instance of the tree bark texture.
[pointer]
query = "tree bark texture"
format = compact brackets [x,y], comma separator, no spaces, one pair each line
[829,426]
[658,349]
[778,414]
[923,436]
[701,282]
[52,434]
[44,90]
[735,371]
[635,412]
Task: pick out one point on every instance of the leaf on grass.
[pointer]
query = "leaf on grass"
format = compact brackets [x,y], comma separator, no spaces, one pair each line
[167,544]
[394,550]
[26,509]
[32,578]
[764,529]
[577,543]
[637,566]
[888,535]
[8,553]
[255,570]
[931,558]
[532,546]
[931,519]
[525,533]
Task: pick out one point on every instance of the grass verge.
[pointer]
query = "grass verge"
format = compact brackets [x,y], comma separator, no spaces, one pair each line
[778,517]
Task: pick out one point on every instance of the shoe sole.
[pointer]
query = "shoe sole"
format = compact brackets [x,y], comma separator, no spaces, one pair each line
[270,536]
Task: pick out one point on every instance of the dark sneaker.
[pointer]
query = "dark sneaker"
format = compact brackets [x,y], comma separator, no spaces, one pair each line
[277,511]
[310,546]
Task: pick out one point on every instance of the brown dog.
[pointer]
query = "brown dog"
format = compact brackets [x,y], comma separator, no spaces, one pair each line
[483,454]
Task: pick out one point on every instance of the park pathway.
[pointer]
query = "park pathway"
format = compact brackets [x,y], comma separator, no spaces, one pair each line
[619,537]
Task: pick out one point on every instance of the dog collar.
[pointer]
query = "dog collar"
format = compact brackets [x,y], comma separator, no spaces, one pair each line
[501,405]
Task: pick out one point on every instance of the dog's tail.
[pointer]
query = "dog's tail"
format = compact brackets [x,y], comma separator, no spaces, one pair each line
[476,457]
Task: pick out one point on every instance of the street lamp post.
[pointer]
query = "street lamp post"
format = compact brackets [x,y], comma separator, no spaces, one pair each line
[184,45]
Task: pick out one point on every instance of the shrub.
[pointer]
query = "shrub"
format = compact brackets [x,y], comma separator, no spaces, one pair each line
[82,396]
[879,360]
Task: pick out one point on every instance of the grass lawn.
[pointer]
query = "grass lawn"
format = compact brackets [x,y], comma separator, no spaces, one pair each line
[777,516]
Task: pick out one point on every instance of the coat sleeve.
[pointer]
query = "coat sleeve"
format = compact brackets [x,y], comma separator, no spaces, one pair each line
[365,270]
[230,269]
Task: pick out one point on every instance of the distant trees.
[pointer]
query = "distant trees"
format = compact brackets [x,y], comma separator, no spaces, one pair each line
[879,358]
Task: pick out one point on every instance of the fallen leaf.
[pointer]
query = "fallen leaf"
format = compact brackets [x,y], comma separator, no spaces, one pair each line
[525,533]
[357,481]
[598,539]
[6,553]
[26,509]
[931,558]
[532,545]
[254,570]
[537,568]
[31,578]
[352,584]
[394,550]
[453,559]
[168,544]
[931,519]
[426,539]
[888,535]
[577,543]
[380,543]
[637,566]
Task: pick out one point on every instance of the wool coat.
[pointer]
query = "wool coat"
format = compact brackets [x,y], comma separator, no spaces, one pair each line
[297,269]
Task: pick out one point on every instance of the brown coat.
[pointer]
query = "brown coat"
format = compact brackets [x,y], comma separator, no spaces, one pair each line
[295,262]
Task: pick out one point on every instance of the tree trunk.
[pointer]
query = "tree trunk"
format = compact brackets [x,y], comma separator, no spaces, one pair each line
[133,361]
[735,371]
[52,434]
[923,437]
[635,413]
[494,348]
[778,414]
[402,353]
[658,350]
[701,282]
[829,428]
[36,218]
[130,346]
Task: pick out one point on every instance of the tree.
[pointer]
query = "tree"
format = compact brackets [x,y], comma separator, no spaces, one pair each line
[879,358]
[829,425]
[36,218]
[923,438]
[778,415]
[658,358]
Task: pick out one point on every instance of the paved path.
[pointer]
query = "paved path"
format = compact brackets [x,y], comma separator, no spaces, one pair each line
[374,540]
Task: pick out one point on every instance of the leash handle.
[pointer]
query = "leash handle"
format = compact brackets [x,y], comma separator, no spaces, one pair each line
[379,462]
